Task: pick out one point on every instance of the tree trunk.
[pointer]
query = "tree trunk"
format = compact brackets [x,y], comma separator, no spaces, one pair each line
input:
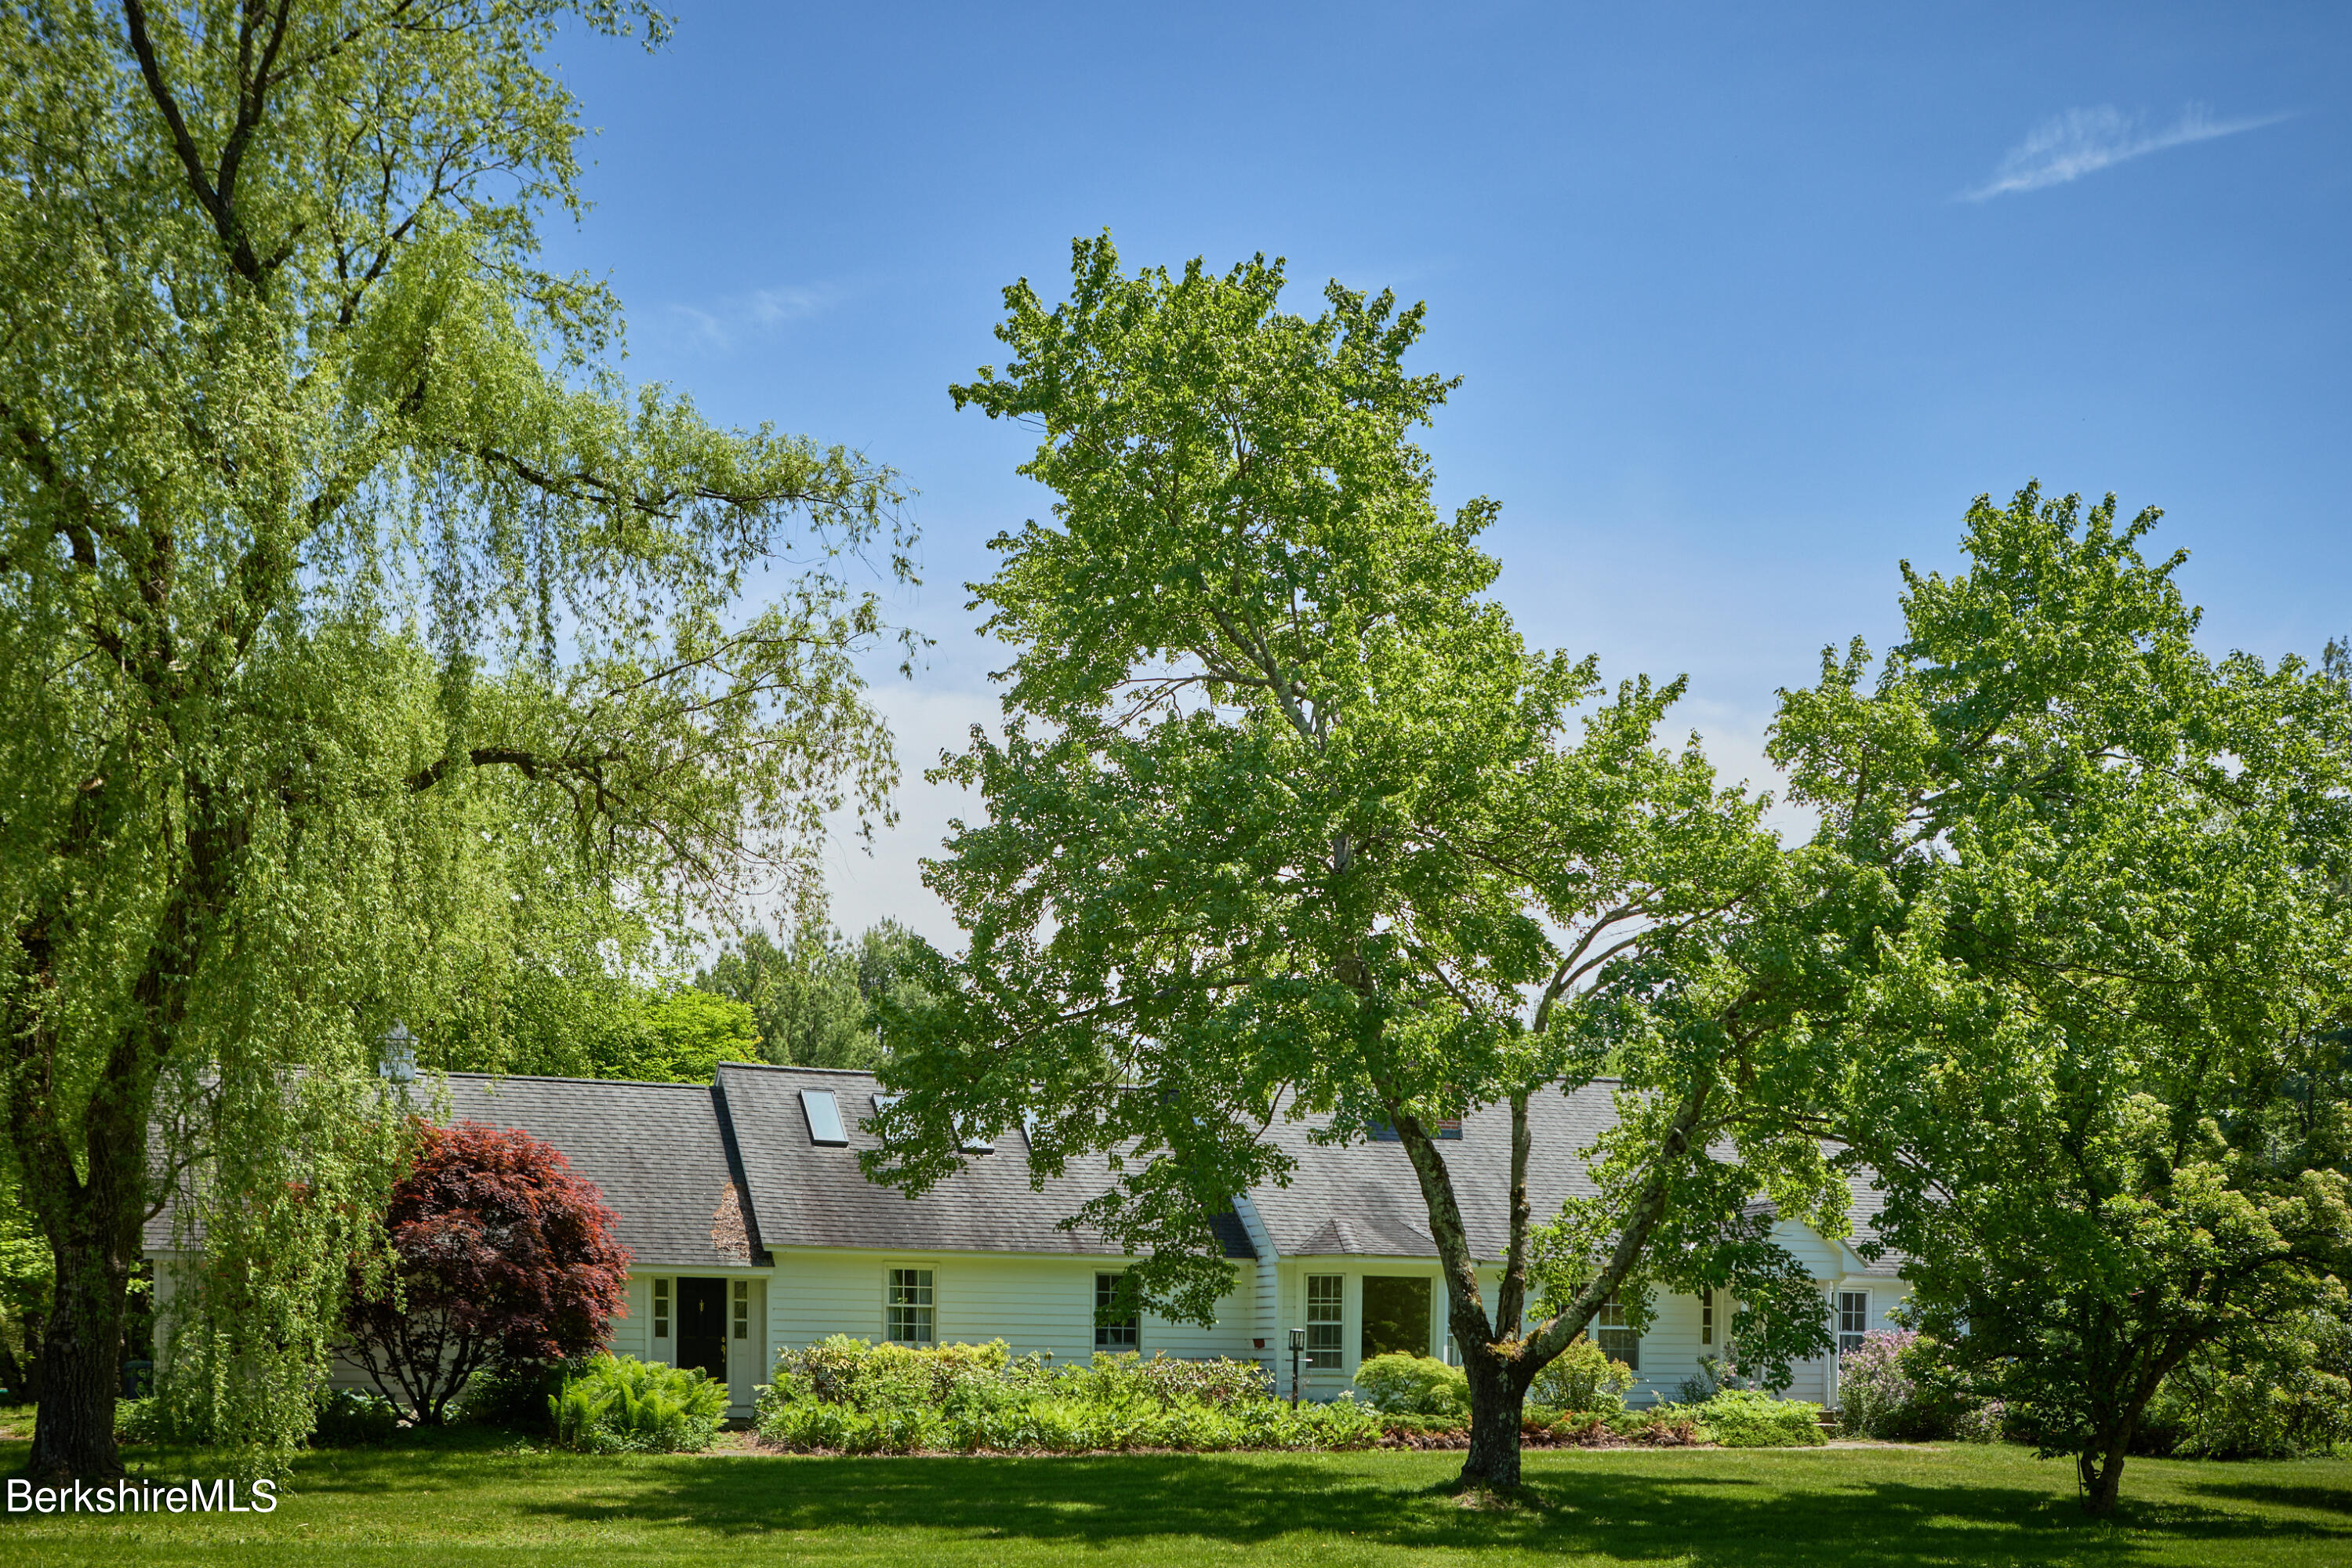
[1497,1399]
[2101,1469]
[92,1224]
[82,1347]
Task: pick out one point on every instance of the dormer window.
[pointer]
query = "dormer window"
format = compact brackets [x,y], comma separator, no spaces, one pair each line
[824,1114]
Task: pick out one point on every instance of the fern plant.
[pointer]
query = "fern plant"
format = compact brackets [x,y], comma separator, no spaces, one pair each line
[622,1404]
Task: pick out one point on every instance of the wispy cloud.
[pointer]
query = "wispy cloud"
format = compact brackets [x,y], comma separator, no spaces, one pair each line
[724,323]
[2085,141]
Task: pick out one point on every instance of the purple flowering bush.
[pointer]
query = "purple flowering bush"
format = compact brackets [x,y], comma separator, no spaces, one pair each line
[1887,1390]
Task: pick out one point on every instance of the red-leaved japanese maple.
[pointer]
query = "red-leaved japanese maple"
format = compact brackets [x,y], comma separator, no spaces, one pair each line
[502,1255]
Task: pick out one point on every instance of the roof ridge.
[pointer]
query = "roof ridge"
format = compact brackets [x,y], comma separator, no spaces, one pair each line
[793,1066]
[697,1085]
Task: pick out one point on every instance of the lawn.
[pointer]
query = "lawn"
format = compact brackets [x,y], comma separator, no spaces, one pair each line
[463,1501]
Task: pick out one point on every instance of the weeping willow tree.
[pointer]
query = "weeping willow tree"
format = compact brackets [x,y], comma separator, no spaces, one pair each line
[355,609]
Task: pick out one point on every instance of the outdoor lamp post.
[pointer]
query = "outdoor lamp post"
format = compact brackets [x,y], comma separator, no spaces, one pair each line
[1297,1343]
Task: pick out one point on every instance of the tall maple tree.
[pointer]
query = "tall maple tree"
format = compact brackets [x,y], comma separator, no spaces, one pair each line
[1288,821]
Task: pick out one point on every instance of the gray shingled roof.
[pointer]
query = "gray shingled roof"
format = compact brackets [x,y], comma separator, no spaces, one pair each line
[1363,1200]
[807,1196]
[710,1176]
[656,1151]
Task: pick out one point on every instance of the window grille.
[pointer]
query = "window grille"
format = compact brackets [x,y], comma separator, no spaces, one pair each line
[661,1309]
[912,1307]
[1325,1299]
[1706,1317]
[1615,1335]
[1115,1333]
[742,1309]
[1854,1319]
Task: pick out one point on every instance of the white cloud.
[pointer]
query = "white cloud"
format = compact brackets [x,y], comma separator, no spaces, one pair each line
[725,323]
[2083,141]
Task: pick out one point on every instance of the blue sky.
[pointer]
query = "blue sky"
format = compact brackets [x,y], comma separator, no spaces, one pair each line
[1749,301]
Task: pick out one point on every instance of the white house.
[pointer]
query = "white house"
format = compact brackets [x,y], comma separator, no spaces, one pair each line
[751,1230]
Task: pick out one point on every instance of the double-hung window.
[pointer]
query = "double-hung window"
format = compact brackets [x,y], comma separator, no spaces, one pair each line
[1118,1325]
[912,1307]
[1854,1319]
[1327,1296]
[1615,1335]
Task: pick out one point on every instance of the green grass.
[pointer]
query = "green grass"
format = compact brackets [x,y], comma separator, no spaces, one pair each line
[459,1502]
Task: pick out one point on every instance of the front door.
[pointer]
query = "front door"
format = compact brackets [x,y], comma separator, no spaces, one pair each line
[1396,1315]
[702,1326]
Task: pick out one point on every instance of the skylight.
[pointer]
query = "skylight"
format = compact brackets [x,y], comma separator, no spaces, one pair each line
[823,1114]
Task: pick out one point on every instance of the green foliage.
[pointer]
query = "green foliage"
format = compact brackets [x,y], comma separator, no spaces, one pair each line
[360,621]
[1899,1387]
[1128,1378]
[617,1405]
[259,1284]
[1051,1426]
[513,1395]
[869,1376]
[1750,1418]
[2291,1397]
[1288,820]
[1583,1378]
[815,997]
[1401,1384]
[864,1375]
[847,1395]
[2098,908]
[352,1419]
[140,1420]
[694,1031]
[1986,1421]
[27,1274]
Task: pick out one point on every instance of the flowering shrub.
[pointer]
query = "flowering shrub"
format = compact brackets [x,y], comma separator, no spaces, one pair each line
[1582,1378]
[1400,1384]
[1879,1396]
[845,1395]
[1983,1423]
[1166,1380]
[1894,1387]
[1061,1426]
[841,1370]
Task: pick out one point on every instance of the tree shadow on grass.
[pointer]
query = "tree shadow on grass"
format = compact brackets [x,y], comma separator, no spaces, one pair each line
[1704,1515]
[2270,1494]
